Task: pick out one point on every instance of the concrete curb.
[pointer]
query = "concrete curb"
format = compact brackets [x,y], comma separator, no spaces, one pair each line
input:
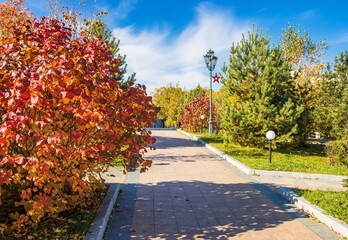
[221,154]
[250,171]
[334,223]
[97,228]
[314,176]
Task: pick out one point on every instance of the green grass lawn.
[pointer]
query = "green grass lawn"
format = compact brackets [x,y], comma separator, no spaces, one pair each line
[285,158]
[334,203]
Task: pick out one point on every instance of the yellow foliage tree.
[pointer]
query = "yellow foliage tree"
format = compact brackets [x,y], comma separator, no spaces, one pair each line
[305,58]
[304,54]
[171,100]
[11,12]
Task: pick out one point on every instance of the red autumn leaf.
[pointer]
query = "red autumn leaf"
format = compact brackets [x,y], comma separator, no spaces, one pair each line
[62,84]
[70,95]
[19,160]
[110,145]
[77,134]
[40,123]
[37,136]
[99,147]
[88,98]
[24,195]
[44,167]
[102,100]
[77,91]
[37,86]
[19,137]
[36,76]
[44,200]
[8,132]
[4,142]
[70,87]
[25,96]
[83,167]
[25,83]
[51,140]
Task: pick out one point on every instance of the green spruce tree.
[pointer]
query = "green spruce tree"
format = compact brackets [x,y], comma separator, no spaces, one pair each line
[259,92]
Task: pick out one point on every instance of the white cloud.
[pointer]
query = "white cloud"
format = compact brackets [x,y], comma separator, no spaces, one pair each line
[158,59]
[121,11]
[308,15]
[341,39]
[125,7]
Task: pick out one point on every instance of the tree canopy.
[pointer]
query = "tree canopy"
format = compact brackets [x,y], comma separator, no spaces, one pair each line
[260,92]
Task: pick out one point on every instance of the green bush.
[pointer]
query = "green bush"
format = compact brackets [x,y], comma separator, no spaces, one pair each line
[337,152]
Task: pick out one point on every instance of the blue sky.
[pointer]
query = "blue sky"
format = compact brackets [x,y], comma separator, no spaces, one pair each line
[165,40]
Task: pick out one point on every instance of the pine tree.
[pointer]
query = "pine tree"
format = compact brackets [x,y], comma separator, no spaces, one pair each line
[259,92]
[332,100]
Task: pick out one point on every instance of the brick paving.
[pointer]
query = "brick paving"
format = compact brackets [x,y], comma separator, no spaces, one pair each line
[190,194]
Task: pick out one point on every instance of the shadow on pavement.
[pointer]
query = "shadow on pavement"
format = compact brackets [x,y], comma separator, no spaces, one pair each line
[194,210]
[174,142]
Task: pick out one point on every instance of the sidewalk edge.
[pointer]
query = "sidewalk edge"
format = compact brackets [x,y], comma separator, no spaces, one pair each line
[97,228]
[334,223]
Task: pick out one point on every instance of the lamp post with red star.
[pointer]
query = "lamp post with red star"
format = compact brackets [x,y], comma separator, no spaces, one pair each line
[210,61]
[216,78]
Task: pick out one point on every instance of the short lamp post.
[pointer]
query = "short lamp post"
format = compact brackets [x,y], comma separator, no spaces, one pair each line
[270,135]
[202,118]
[210,61]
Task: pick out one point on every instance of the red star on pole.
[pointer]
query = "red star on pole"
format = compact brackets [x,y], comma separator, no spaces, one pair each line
[216,78]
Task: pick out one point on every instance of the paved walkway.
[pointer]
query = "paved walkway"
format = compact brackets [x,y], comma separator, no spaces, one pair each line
[292,182]
[191,194]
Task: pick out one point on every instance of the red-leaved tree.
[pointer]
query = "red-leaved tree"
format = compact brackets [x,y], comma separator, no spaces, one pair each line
[190,118]
[64,119]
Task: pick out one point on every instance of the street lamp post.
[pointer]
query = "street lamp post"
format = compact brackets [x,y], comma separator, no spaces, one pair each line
[202,118]
[210,61]
[270,135]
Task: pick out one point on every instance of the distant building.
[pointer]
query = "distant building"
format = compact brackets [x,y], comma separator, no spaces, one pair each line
[159,123]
